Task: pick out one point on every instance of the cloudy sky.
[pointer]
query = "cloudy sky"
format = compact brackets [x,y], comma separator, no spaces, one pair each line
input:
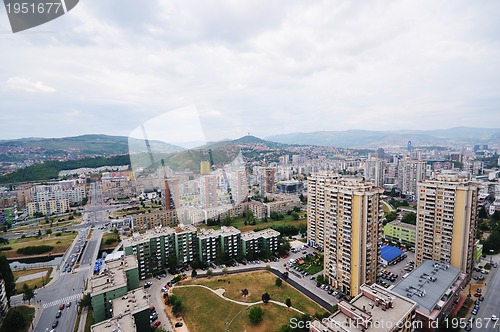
[260,67]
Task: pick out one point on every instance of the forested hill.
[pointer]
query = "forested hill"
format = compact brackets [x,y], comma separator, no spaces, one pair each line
[50,169]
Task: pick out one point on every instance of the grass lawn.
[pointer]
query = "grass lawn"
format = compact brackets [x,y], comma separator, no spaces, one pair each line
[38,282]
[43,226]
[205,311]
[313,264]
[107,236]
[60,244]
[240,223]
[258,283]
[26,315]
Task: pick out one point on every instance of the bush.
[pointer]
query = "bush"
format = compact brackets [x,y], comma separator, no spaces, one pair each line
[34,250]
[58,234]
[5,248]
[111,240]
[256,315]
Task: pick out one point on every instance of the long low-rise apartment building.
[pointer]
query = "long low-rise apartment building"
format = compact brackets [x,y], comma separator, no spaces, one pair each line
[48,207]
[400,231]
[155,248]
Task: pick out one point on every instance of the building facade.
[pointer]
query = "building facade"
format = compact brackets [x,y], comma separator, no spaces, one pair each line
[353,215]
[447,221]
[316,185]
[399,231]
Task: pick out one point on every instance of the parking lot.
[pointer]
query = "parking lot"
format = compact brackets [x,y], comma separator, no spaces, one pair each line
[394,273]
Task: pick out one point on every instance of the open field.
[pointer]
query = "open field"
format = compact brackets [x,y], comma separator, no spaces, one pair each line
[257,284]
[205,311]
[42,225]
[33,283]
[240,223]
[60,244]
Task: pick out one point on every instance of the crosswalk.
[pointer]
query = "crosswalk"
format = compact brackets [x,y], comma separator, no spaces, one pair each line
[64,300]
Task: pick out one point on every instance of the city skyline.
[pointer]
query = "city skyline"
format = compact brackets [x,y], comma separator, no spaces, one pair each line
[253,68]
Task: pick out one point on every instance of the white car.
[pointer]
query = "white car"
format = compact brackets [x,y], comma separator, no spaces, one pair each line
[494,317]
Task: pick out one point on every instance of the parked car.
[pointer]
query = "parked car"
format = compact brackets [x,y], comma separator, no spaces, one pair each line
[158,323]
[178,324]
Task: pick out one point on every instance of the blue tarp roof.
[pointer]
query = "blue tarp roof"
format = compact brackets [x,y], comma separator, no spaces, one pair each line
[389,253]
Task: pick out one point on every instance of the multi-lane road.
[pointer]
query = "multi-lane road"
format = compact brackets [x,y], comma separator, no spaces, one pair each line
[68,286]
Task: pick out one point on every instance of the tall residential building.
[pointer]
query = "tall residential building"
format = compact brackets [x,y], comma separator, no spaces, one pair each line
[411,170]
[316,185]
[374,171]
[446,221]
[172,194]
[204,167]
[352,233]
[208,190]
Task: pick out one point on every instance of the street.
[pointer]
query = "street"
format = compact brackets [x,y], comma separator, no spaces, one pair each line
[491,304]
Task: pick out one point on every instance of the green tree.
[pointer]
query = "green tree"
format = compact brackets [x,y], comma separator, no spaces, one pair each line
[278,282]
[210,273]
[86,301]
[320,279]
[266,298]
[482,213]
[28,293]
[295,215]
[256,315]
[48,231]
[288,303]
[15,321]
[391,216]
[224,271]
[410,218]
[194,274]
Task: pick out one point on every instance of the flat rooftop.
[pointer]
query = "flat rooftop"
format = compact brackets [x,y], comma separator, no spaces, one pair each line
[123,323]
[138,238]
[133,302]
[108,281]
[268,232]
[391,309]
[123,262]
[430,284]
[398,223]
[225,230]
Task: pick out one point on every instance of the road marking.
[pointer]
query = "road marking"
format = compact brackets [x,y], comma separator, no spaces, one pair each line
[64,300]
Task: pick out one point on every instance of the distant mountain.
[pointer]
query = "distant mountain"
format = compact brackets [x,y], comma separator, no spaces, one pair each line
[89,145]
[249,139]
[374,139]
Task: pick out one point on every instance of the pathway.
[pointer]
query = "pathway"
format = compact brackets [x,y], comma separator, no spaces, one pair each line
[31,276]
[220,292]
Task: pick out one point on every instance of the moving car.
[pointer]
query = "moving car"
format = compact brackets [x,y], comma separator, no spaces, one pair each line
[58,314]
[494,317]
[61,307]
[54,325]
